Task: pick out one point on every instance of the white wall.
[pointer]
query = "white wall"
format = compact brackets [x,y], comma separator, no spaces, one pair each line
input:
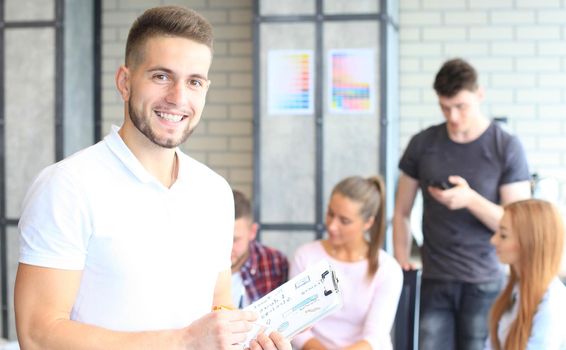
[519,50]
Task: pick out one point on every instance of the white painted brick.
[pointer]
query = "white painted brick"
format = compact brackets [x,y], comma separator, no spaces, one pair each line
[512,17]
[444,34]
[552,111]
[407,5]
[443,5]
[409,65]
[539,127]
[409,34]
[412,80]
[409,127]
[220,48]
[551,17]
[539,95]
[512,80]
[491,33]
[230,4]
[466,49]
[552,48]
[410,96]
[512,111]
[230,128]
[215,111]
[240,16]
[433,64]
[490,4]
[552,143]
[538,159]
[465,17]
[109,5]
[419,111]
[557,80]
[529,142]
[538,64]
[501,95]
[429,96]
[539,32]
[513,48]
[420,18]
[493,64]
[538,4]
[138,4]
[421,49]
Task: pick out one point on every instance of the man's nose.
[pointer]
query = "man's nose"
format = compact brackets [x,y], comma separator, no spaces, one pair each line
[178,94]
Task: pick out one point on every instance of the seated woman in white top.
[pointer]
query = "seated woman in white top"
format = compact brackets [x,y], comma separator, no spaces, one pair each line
[530,313]
[370,279]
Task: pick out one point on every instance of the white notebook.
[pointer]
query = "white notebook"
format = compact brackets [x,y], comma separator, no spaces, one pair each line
[299,303]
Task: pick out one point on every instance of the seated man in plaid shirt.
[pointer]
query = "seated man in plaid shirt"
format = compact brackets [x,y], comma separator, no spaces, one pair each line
[256,269]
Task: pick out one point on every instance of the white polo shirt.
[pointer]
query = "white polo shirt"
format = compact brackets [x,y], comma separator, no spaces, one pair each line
[150,255]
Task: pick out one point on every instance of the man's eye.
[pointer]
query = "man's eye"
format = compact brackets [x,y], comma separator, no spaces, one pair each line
[161,77]
[196,83]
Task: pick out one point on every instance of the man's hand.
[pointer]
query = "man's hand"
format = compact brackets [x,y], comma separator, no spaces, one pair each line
[275,341]
[225,329]
[457,197]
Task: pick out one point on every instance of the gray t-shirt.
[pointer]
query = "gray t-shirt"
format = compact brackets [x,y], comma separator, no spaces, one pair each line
[456,244]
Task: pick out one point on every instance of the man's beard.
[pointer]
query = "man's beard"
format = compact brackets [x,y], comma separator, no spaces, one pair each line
[144,127]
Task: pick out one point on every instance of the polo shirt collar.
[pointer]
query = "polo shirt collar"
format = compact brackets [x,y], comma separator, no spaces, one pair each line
[121,150]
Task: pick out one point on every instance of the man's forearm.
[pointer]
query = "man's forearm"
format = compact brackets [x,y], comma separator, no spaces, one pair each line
[401,239]
[485,211]
[71,335]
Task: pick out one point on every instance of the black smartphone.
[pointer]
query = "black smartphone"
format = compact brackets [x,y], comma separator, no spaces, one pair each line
[443,185]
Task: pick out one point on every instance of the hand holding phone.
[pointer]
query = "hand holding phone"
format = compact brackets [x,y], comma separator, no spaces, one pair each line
[443,185]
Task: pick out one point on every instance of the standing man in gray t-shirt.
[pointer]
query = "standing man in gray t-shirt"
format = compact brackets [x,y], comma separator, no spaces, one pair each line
[466,168]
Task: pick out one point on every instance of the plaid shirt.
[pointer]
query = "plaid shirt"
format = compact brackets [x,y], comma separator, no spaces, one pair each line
[265,270]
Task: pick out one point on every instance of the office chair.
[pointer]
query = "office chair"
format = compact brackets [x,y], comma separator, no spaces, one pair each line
[406,326]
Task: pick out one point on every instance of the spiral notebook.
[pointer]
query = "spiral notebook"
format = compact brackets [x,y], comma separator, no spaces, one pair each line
[299,303]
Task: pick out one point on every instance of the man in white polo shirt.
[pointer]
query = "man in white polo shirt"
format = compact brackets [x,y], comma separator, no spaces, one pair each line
[126,244]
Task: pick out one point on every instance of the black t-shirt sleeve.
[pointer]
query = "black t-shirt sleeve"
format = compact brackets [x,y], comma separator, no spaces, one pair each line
[409,162]
[516,166]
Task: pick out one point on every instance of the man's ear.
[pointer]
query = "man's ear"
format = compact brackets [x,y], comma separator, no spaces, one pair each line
[480,93]
[123,82]
[253,230]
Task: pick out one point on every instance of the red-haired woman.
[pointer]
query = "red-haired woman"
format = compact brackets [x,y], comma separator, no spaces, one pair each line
[530,313]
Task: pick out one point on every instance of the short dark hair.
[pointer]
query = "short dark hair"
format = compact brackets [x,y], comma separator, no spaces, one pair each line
[166,21]
[242,205]
[454,76]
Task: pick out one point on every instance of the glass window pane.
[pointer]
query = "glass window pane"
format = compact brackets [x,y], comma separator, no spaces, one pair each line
[287,241]
[30,108]
[350,7]
[287,7]
[29,10]
[287,153]
[351,105]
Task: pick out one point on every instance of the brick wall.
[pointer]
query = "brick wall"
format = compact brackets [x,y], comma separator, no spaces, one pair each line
[223,140]
[518,47]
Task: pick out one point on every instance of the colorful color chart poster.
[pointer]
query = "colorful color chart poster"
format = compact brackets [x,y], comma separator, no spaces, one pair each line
[351,87]
[290,82]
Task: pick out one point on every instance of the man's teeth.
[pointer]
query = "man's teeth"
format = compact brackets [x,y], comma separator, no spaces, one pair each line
[170,117]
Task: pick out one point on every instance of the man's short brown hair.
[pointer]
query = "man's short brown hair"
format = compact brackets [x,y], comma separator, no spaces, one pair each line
[242,206]
[454,76]
[174,21]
